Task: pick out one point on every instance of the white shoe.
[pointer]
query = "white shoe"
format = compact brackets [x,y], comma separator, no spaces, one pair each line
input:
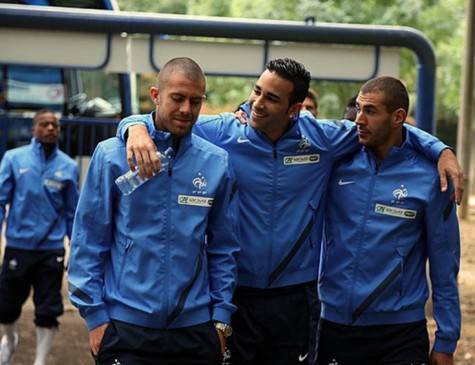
[44,340]
[7,349]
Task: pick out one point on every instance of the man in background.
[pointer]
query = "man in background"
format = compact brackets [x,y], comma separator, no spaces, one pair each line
[310,103]
[39,183]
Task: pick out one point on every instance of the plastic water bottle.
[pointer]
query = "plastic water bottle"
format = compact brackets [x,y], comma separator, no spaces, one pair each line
[131,180]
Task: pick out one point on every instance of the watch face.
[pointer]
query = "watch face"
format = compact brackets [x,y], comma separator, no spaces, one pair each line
[227,331]
[225,328]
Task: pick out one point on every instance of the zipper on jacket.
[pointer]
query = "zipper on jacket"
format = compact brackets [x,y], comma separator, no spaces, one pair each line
[272,219]
[167,245]
[362,231]
[170,163]
[43,169]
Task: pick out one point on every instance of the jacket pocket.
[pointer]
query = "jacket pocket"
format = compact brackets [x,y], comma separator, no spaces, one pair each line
[386,300]
[124,249]
[314,237]
[186,291]
[293,251]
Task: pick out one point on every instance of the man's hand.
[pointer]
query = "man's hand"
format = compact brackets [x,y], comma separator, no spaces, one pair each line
[449,166]
[141,146]
[222,341]
[241,116]
[95,338]
[440,358]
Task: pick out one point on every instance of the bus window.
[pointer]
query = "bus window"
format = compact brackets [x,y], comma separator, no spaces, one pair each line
[94,94]
[33,88]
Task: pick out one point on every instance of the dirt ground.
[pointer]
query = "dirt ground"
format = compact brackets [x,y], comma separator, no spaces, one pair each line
[71,346]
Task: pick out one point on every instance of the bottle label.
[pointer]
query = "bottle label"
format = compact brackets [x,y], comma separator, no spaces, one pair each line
[198,201]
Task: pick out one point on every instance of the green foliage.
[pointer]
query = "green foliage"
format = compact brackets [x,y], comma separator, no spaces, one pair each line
[440,20]
[161,6]
[209,7]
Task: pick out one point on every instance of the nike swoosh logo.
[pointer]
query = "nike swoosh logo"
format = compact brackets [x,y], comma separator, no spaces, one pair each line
[303,357]
[22,171]
[59,259]
[341,182]
[242,140]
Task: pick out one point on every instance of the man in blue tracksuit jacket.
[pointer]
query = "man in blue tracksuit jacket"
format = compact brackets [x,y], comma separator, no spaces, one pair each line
[39,183]
[282,164]
[386,216]
[153,272]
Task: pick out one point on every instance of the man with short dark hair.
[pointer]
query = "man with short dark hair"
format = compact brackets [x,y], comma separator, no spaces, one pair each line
[385,218]
[282,159]
[350,109]
[39,183]
[153,272]
[310,103]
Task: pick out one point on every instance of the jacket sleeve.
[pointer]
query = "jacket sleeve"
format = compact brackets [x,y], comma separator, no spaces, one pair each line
[7,184]
[91,242]
[71,199]
[207,126]
[443,245]
[223,248]
[210,127]
[342,139]
[425,143]
[144,119]
[339,136]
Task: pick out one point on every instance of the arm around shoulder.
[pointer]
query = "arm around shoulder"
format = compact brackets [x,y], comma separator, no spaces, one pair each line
[443,245]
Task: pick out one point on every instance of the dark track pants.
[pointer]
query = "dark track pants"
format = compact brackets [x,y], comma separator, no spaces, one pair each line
[274,326]
[127,344]
[23,269]
[396,344]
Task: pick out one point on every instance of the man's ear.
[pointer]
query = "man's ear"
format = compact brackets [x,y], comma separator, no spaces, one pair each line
[154,95]
[399,117]
[294,111]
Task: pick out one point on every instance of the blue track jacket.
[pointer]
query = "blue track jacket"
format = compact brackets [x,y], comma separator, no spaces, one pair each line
[281,187]
[383,223]
[42,194]
[164,256]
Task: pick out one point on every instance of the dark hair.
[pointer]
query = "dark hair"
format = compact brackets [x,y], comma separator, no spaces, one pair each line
[41,112]
[351,103]
[185,65]
[395,93]
[313,95]
[294,72]
[350,110]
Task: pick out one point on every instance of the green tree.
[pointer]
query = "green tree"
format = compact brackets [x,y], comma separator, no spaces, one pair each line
[162,6]
[441,21]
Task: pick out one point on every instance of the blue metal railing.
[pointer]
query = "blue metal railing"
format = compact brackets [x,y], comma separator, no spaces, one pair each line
[118,22]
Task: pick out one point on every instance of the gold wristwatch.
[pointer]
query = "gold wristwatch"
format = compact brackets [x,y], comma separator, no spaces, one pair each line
[226,329]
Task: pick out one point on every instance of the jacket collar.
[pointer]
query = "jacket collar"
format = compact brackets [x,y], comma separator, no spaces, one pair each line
[38,148]
[292,132]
